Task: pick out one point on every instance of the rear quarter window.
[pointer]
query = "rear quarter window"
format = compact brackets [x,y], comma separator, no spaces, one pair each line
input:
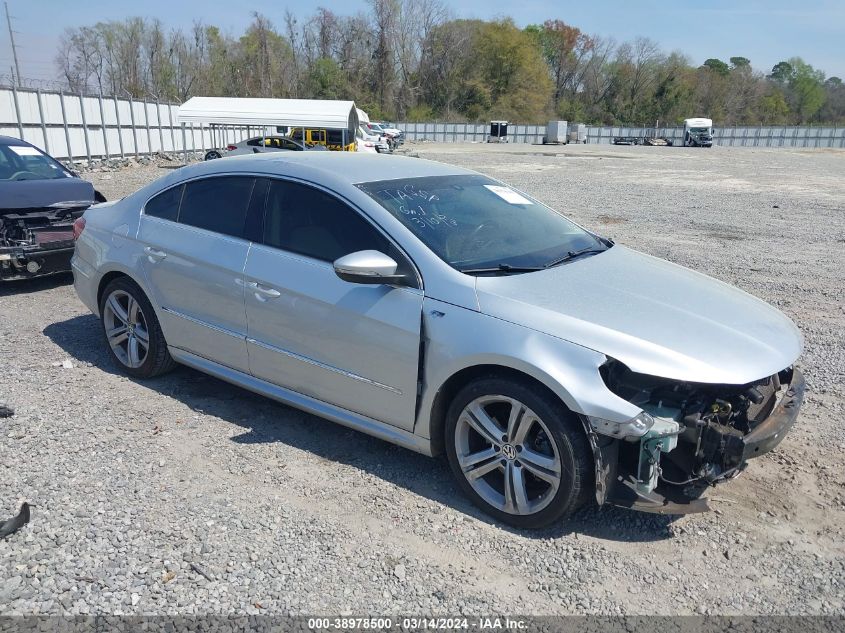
[166,204]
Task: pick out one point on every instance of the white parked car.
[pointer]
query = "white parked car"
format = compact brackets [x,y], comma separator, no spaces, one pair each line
[397,135]
[370,143]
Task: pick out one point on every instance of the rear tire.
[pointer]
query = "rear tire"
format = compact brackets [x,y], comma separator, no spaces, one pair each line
[517,452]
[132,331]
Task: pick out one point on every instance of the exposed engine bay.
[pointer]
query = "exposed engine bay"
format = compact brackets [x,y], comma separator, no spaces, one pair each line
[36,242]
[702,434]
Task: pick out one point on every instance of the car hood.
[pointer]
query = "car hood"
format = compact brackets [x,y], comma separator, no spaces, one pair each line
[655,317]
[37,194]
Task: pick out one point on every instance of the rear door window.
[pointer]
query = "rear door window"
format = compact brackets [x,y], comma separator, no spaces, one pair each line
[217,204]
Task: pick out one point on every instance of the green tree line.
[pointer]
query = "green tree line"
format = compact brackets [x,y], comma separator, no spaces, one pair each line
[412,60]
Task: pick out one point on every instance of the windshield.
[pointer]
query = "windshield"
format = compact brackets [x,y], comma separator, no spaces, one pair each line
[700,130]
[22,162]
[473,222]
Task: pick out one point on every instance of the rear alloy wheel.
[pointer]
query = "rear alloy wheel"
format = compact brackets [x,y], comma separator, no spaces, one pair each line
[132,330]
[516,454]
[126,329]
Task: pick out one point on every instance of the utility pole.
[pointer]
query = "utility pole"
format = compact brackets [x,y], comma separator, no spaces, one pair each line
[17,77]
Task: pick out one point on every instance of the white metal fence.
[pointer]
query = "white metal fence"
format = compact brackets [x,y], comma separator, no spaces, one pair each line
[776,136]
[74,126]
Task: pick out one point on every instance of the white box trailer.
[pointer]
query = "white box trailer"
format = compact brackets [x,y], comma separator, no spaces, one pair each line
[556,132]
[577,133]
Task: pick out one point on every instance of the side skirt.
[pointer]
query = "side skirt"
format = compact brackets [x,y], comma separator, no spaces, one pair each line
[295,399]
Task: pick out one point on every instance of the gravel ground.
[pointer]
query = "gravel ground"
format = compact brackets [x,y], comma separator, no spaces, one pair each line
[186,495]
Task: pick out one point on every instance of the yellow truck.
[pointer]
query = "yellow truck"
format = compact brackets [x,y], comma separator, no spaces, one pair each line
[335,140]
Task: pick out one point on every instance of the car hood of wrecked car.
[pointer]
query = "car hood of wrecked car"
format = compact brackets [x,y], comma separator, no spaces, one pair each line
[18,195]
[656,317]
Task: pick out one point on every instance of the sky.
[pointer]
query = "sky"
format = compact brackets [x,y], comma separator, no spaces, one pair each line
[764,31]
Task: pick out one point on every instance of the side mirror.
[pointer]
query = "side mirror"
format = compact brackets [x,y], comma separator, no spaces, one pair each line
[367,267]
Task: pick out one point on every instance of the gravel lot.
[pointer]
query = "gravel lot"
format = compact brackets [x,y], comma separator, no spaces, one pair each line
[186,495]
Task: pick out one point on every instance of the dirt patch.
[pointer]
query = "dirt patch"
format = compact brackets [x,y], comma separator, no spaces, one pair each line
[611,219]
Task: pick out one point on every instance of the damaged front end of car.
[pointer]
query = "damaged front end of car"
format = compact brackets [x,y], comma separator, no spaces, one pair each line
[690,436]
[38,242]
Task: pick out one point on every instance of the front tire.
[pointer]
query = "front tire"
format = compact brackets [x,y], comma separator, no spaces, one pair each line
[132,331]
[517,452]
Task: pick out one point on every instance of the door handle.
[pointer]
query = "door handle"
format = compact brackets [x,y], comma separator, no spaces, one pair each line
[153,253]
[267,292]
[259,290]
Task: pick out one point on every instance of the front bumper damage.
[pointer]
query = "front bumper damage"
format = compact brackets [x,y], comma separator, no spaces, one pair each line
[630,472]
[35,242]
[26,262]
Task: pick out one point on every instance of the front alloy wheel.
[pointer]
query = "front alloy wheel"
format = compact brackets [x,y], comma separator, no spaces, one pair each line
[517,452]
[506,455]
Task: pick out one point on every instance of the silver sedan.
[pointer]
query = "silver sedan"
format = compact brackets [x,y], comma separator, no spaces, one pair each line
[446,312]
[262,144]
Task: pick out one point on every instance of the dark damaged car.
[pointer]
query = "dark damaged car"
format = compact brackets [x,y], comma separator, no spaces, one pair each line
[39,201]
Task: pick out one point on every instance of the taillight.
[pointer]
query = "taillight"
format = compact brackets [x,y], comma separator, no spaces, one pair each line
[231,147]
[78,227]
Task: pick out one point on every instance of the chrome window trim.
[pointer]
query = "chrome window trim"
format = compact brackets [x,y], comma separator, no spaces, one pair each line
[419,278]
[221,174]
[202,231]
[317,263]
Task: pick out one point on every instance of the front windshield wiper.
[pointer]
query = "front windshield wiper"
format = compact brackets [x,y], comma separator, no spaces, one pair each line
[589,250]
[502,269]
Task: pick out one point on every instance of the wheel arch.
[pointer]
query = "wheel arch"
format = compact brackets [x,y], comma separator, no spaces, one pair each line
[113,274]
[458,380]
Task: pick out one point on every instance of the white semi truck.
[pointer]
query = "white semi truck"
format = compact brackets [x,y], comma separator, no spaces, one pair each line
[698,132]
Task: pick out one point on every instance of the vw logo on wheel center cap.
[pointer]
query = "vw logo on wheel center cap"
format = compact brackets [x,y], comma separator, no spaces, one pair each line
[508,451]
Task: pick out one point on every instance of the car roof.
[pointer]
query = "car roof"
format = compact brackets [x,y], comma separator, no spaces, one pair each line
[337,167]
[11,140]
